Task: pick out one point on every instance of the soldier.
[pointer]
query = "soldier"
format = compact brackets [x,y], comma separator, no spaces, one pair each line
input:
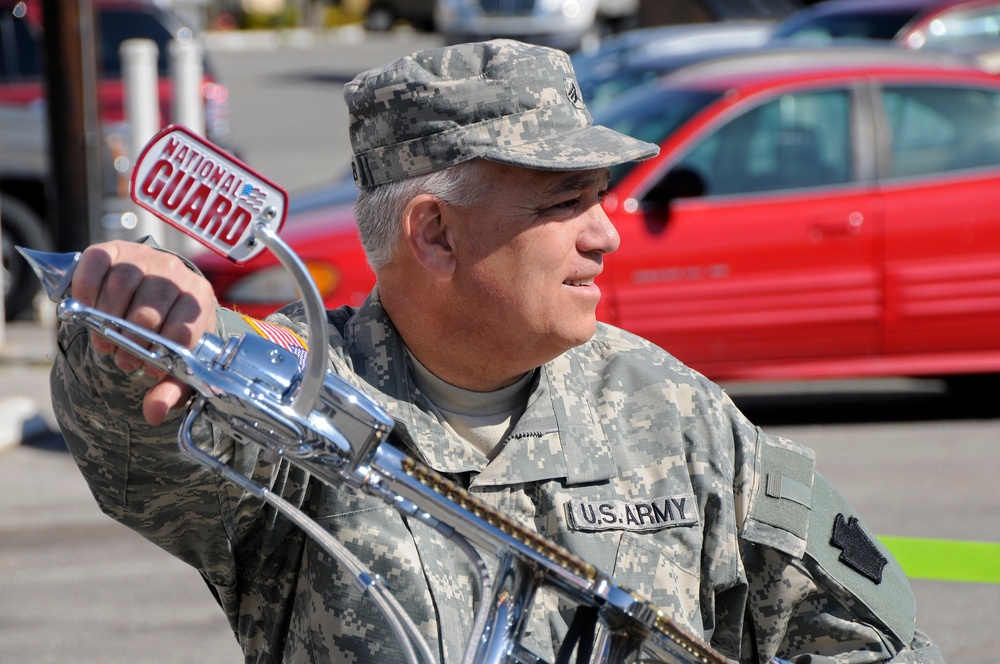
[481,176]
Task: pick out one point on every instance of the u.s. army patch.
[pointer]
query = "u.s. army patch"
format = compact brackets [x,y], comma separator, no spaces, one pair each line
[667,512]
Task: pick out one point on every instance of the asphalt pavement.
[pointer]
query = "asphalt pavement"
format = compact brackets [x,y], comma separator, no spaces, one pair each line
[25,358]
[76,586]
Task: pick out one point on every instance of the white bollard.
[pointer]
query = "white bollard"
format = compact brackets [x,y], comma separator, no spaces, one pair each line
[142,112]
[188,108]
[187,71]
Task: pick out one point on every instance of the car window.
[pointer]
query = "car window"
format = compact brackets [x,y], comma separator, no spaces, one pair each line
[116,26]
[939,128]
[795,141]
[18,50]
[651,114]
[882,25]
[598,91]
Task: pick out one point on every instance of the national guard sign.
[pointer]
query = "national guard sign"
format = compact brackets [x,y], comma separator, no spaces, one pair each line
[208,194]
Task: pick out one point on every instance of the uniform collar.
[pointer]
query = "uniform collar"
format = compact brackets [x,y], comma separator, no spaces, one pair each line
[560,435]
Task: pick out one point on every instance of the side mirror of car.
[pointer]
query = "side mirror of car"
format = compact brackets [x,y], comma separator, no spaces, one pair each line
[679,182]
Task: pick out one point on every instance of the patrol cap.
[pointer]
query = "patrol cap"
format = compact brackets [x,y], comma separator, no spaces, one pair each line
[502,100]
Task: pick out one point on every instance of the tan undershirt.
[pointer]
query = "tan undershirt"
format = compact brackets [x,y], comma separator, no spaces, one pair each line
[482,419]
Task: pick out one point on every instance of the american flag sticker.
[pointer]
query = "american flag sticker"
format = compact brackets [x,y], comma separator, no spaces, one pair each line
[281,336]
[253,197]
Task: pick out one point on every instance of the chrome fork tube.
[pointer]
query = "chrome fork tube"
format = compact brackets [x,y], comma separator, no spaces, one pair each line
[515,585]
[617,646]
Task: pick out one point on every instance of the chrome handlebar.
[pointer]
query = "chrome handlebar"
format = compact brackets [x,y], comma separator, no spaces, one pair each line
[254,390]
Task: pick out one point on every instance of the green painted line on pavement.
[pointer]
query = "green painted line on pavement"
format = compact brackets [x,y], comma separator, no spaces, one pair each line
[946,560]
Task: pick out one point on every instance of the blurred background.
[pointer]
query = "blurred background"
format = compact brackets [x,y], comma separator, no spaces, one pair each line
[820,233]
[89,77]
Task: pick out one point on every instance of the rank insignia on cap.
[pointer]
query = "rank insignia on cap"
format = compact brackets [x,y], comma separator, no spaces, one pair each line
[857,550]
[573,93]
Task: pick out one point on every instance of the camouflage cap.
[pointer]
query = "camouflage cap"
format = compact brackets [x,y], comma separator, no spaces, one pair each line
[501,100]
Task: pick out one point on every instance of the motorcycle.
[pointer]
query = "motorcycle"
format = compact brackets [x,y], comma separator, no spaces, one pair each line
[256,392]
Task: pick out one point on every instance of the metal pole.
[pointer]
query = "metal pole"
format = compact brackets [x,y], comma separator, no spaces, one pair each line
[92,133]
[142,111]
[74,130]
[3,313]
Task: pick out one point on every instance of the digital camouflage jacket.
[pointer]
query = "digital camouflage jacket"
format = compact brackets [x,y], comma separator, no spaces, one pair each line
[624,456]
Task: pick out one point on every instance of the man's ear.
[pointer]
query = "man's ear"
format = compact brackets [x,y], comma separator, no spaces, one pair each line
[428,235]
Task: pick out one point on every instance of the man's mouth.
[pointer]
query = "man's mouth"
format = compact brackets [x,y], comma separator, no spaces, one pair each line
[579,282]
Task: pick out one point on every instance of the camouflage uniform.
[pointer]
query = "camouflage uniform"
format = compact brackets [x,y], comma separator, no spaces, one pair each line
[624,456]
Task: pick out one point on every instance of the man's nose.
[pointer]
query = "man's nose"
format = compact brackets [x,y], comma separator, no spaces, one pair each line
[600,236]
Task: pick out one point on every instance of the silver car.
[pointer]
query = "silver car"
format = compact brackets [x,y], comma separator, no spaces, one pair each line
[565,24]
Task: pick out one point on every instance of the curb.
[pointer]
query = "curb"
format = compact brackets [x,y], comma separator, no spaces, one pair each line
[265,40]
[20,420]
[26,353]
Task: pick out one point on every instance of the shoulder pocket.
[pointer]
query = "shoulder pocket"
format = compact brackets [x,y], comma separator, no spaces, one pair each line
[843,547]
[780,504]
[797,511]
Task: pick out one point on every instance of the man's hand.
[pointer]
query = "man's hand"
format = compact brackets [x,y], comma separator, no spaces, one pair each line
[155,290]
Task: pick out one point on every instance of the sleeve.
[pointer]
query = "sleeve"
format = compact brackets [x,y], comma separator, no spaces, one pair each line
[140,478]
[821,587]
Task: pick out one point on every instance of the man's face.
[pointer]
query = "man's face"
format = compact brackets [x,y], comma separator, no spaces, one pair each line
[526,259]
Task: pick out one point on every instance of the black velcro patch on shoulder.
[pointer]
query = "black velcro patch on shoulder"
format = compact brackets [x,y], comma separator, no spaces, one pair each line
[857,550]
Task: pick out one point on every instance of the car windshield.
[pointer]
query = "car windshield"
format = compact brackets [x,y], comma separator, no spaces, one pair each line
[606,84]
[598,91]
[20,57]
[651,114]
[860,25]
[117,26]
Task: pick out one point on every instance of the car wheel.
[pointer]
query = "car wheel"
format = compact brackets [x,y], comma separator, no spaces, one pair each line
[423,24]
[19,226]
[380,19]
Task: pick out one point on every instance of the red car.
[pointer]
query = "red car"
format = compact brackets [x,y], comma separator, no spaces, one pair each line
[24,159]
[814,214]
[117,20]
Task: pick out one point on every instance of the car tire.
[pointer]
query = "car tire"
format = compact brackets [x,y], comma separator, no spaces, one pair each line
[379,19]
[423,24]
[19,226]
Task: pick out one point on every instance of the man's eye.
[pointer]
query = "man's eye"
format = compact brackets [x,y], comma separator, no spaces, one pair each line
[562,206]
[575,203]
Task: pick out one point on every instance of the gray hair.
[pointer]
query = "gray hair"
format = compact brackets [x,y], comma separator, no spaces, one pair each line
[379,210]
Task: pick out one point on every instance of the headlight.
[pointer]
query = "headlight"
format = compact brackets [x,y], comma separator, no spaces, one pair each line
[571,9]
[274,285]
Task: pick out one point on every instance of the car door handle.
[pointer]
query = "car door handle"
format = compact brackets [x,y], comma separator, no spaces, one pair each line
[837,227]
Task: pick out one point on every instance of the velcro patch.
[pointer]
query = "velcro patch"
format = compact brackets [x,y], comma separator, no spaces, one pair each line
[667,512]
[857,550]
